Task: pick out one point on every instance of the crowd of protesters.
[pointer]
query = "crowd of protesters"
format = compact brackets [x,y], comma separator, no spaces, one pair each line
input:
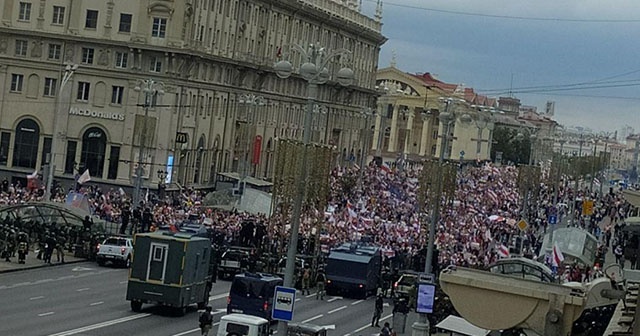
[376,202]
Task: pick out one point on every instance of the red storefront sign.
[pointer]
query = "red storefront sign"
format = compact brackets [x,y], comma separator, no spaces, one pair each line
[257,147]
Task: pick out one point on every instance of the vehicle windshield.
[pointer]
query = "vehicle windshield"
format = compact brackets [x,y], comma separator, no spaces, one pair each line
[115,242]
[234,255]
[407,280]
[252,288]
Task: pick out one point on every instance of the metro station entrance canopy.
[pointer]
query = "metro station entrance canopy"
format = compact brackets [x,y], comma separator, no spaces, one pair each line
[47,212]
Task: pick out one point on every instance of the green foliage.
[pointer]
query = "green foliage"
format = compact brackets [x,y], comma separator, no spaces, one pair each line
[505,140]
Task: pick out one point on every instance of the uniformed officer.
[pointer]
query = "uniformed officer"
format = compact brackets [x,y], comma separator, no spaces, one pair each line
[23,246]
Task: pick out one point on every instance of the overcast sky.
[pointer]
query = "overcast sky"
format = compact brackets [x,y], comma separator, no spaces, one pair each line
[492,45]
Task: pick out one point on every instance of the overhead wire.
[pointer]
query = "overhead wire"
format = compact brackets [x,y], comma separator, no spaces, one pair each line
[509,17]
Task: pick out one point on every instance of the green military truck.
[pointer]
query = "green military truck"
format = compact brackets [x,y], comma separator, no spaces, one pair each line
[170,269]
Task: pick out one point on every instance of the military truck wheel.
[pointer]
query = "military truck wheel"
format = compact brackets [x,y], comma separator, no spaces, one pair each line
[136,306]
[101,262]
[181,311]
[127,263]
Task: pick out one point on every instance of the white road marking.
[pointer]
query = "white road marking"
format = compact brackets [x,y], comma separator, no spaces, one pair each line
[42,281]
[123,282]
[219,296]
[82,289]
[46,314]
[369,325]
[337,309]
[356,302]
[101,325]
[313,318]
[386,304]
[96,303]
[298,299]
[65,277]
[335,298]
[193,330]
[310,295]
[36,298]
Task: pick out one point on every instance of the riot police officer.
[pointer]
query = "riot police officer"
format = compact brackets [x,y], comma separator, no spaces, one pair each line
[23,246]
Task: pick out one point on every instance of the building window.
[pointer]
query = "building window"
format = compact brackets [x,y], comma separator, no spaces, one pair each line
[114,160]
[55,51]
[83,91]
[156,64]
[94,146]
[50,87]
[121,59]
[25,11]
[5,139]
[87,55]
[16,82]
[159,27]
[116,95]
[25,147]
[70,159]
[92,19]
[125,23]
[21,47]
[58,15]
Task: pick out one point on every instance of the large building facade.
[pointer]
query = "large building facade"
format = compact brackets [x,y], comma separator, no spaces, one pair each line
[205,55]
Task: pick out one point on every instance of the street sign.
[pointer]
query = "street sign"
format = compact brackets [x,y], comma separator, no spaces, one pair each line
[426,277]
[182,137]
[283,300]
[522,225]
[553,219]
[587,208]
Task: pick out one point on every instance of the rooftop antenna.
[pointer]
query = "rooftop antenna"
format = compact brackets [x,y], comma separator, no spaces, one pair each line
[511,86]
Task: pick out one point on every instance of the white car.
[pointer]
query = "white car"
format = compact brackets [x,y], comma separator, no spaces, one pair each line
[116,250]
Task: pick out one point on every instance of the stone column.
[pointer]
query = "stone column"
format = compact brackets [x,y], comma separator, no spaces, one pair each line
[424,138]
[393,136]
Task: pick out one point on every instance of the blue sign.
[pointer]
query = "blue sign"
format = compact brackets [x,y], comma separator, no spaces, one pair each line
[553,219]
[283,300]
[426,298]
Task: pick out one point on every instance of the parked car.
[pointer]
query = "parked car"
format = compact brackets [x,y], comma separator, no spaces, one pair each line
[405,286]
[233,261]
[116,250]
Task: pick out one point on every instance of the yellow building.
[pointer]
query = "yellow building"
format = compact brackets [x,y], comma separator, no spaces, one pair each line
[409,122]
[207,54]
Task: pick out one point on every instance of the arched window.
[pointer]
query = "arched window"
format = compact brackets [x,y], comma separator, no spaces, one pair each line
[94,145]
[25,147]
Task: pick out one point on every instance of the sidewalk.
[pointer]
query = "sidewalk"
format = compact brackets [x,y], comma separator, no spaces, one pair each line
[32,262]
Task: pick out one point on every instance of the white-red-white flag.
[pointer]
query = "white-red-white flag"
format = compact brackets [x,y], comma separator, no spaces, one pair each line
[556,258]
[503,251]
[352,212]
[85,177]
[385,168]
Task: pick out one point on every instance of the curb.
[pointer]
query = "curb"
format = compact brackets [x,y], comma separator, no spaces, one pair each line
[11,270]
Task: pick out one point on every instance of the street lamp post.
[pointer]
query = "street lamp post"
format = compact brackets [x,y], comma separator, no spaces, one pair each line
[162,175]
[69,70]
[314,71]
[151,90]
[367,114]
[438,170]
[251,101]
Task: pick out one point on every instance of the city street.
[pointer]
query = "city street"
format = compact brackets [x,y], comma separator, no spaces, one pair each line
[85,299]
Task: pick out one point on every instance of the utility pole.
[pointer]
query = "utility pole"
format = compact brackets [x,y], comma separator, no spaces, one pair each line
[151,90]
[314,71]
[69,70]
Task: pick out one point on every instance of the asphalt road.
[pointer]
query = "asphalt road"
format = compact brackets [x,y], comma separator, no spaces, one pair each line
[85,299]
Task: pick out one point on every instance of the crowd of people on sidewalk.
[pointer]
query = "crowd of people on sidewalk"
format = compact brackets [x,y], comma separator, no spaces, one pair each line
[376,202]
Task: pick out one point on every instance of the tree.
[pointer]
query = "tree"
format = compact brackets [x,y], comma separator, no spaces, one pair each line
[505,140]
